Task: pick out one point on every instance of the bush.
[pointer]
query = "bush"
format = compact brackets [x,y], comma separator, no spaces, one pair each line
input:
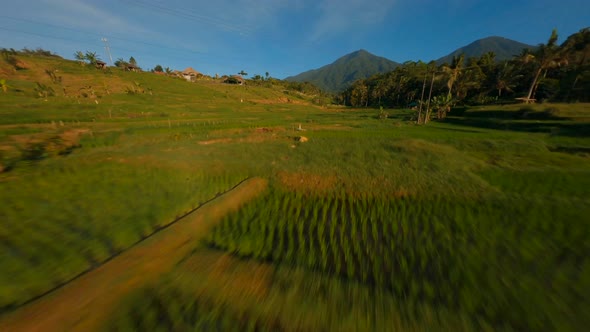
[382,114]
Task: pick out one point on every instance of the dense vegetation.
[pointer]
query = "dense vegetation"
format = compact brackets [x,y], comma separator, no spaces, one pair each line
[551,72]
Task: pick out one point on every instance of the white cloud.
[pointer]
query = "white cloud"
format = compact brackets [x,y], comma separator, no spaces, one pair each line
[83,15]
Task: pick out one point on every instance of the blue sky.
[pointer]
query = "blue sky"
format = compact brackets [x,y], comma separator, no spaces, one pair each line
[282,37]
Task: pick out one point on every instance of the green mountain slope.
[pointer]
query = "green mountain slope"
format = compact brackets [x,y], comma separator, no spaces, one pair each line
[504,49]
[341,73]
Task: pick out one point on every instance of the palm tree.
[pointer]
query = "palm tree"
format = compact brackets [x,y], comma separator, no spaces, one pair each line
[505,78]
[471,78]
[546,56]
[378,90]
[577,50]
[454,71]
[91,57]
[121,63]
[80,57]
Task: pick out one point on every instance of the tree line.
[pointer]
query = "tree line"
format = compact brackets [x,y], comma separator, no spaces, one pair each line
[550,72]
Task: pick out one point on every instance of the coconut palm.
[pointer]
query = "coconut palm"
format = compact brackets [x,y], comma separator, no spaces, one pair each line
[453,72]
[80,57]
[504,78]
[545,57]
[577,49]
[91,57]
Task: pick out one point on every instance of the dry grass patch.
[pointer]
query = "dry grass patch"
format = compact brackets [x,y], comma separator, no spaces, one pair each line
[246,280]
[215,141]
[306,182]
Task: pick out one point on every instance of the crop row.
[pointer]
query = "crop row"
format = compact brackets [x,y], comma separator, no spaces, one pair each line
[170,309]
[486,258]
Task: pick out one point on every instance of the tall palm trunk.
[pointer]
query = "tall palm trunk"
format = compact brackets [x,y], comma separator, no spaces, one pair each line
[534,84]
[422,100]
[427,116]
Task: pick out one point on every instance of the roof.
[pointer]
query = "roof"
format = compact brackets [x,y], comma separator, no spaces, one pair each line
[190,71]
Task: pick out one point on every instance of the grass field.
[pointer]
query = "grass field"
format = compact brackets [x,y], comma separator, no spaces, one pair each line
[480,222]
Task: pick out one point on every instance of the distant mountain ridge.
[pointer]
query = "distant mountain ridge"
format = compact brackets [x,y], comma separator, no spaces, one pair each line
[361,64]
[504,49]
[338,75]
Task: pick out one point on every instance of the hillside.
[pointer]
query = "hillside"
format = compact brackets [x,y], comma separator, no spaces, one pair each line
[50,78]
[341,73]
[504,49]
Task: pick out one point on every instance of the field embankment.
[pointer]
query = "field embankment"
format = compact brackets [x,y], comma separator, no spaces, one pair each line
[86,302]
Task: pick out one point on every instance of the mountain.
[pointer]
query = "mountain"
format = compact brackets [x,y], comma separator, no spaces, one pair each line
[504,49]
[338,75]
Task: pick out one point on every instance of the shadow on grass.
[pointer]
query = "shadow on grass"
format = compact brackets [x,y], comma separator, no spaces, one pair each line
[562,128]
[576,150]
[459,130]
[524,113]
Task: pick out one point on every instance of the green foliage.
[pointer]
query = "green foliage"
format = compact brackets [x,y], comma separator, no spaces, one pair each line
[4,86]
[55,79]
[382,113]
[170,308]
[136,88]
[80,56]
[547,73]
[121,63]
[91,57]
[44,91]
[79,215]
[232,80]
[38,52]
[442,104]
[439,252]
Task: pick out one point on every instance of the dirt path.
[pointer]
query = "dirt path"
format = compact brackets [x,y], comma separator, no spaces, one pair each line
[85,303]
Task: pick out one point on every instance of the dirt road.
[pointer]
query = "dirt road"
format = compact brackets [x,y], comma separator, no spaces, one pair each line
[85,303]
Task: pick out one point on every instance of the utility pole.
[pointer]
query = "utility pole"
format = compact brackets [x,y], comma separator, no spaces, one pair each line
[107,48]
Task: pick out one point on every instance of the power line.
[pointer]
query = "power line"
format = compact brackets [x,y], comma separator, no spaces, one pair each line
[41,35]
[187,14]
[85,42]
[190,15]
[102,36]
